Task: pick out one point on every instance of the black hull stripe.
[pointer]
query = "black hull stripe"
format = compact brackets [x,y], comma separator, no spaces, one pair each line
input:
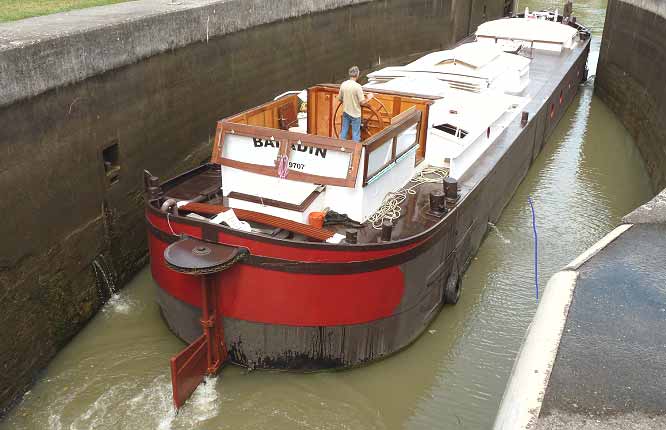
[310,245]
[319,268]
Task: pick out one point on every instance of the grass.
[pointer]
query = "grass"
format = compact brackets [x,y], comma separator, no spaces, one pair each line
[12,10]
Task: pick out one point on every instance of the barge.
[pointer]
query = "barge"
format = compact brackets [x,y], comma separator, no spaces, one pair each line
[295,249]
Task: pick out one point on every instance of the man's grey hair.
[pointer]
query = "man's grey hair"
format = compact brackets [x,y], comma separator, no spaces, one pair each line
[354,72]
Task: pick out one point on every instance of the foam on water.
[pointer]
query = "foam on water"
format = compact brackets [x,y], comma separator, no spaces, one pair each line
[499,233]
[120,304]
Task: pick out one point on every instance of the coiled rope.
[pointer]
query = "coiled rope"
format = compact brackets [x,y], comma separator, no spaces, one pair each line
[390,208]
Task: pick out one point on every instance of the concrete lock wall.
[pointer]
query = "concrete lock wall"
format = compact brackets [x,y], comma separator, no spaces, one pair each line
[140,86]
[630,76]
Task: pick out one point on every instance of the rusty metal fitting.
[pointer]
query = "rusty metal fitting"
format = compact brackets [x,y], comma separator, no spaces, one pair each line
[437,207]
[170,207]
[450,203]
[155,193]
[387,230]
[207,323]
[450,188]
[351,236]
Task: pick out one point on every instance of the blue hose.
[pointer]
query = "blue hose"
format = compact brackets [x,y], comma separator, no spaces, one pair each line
[536,247]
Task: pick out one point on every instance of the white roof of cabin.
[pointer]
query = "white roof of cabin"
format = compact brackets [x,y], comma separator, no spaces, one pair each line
[472,55]
[470,111]
[472,61]
[528,29]
[425,85]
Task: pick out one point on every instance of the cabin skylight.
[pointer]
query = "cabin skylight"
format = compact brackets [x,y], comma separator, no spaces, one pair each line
[452,130]
[455,62]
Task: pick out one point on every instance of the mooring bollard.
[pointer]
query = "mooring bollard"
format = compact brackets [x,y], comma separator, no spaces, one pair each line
[437,207]
[387,230]
[451,192]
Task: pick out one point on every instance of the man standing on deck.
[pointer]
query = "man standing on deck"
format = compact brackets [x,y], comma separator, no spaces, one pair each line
[352,98]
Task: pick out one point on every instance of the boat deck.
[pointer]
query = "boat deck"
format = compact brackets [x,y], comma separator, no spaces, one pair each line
[549,72]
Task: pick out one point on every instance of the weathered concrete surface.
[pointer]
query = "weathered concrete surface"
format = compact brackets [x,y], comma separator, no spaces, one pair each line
[653,212]
[64,219]
[44,52]
[630,76]
[611,360]
[609,371]
[630,421]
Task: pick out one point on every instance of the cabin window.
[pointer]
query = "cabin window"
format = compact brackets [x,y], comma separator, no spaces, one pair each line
[561,96]
[452,130]
[111,159]
[552,110]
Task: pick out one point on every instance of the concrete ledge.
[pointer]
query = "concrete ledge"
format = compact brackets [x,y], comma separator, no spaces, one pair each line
[594,249]
[41,53]
[523,396]
[530,378]
[652,212]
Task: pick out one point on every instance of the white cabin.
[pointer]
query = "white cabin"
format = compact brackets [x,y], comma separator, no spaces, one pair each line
[444,110]
[475,67]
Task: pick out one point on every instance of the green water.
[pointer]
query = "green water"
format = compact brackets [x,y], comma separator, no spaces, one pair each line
[114,374]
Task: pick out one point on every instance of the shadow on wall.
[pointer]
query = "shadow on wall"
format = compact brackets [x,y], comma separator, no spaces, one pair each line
[630,76]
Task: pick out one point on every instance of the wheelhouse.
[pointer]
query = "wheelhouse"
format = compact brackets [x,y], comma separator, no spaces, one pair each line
[285,157]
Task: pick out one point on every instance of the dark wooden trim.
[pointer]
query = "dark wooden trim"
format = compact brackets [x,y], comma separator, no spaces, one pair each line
[343,246]
[397,104]
[393,160]
[217,144]
[286,139]
[256,168]
[399,123]
[301,207]
[408,121]
[409,148]
[349,181]
[421,97]
[262,108]
[293,137]
[319,268]
[307,230]
[173,182]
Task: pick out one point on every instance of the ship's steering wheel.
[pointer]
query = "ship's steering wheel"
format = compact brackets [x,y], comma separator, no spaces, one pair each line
[373,119]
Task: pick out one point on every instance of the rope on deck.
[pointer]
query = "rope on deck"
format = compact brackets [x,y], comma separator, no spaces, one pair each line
[390,208]
[274,221]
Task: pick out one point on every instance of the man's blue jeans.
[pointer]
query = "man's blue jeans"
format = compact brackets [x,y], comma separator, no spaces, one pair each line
[355,123]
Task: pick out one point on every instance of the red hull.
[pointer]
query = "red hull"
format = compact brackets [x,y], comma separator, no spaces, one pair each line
[276,297]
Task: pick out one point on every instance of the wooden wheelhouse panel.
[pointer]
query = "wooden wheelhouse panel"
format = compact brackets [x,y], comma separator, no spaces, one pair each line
[268,114]
[267,126]
[286,142]
[323,102]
